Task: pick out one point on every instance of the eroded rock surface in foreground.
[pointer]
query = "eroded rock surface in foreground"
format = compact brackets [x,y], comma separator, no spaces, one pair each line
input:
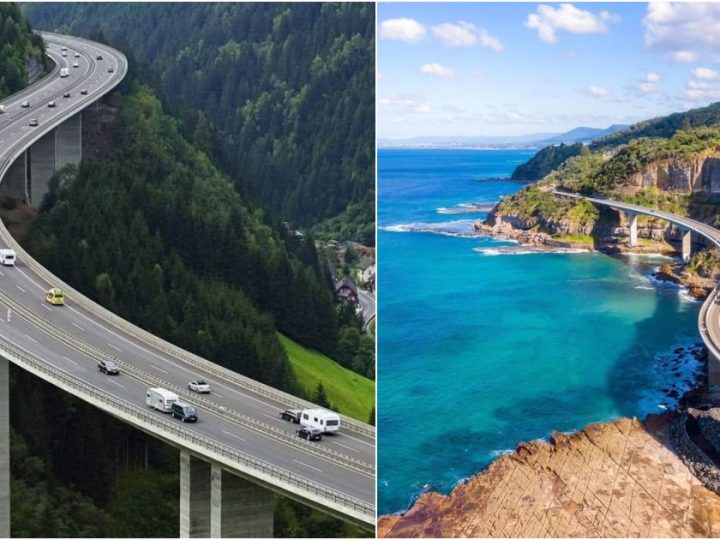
[617,479]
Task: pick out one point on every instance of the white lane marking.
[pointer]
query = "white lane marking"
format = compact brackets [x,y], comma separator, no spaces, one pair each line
[69,360]
[47,307]
[356,439]
[218,395]
[78,326]
[273,417]
[234,436]
[114,347]
[155,367]
[31,338]
[1,272]
[306,465]
[21,289]
[116,383]
[348,447]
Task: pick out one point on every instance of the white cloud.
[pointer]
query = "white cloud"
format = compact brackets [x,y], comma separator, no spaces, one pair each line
[703,86]
[465,34]
[602,94]
[649,83]
[683,31]
[597,92]
[405,104]
[408,30]
[683,56]
[705,73]
[548,20]
[438,70]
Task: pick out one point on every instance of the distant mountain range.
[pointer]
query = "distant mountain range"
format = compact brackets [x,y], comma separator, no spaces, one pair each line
[535,140]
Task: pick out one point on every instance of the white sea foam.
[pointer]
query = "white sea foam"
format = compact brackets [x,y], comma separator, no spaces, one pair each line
[521,251]
[460,227]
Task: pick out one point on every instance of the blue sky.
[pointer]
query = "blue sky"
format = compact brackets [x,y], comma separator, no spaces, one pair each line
[517,68]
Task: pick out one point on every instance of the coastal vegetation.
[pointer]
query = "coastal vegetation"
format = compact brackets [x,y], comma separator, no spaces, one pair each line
[609,172]
[280,96]
[546,160]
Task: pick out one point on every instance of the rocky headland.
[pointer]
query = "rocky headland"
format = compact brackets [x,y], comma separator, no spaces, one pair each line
[617,479]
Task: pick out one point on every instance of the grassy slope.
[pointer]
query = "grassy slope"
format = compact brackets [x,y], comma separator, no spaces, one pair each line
[350,393]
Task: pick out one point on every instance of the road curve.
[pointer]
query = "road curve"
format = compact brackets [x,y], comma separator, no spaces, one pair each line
[709,317]
[239,425]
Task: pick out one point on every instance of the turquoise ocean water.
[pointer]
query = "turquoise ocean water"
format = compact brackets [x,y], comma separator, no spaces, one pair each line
[479,351]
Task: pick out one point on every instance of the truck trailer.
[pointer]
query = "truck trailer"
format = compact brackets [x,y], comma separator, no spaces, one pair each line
[161,399]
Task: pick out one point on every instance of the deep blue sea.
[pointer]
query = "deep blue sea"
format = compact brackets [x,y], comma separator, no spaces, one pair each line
[479,351]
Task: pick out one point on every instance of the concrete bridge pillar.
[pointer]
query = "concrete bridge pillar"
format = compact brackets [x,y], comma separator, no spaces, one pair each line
[4,448]
[632,218]
[14,183]
[686,243]
[713,369]
[194,497]
[60,147]
[218,504]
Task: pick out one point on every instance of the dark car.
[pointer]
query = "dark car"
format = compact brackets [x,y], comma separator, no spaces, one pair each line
[83,91]
[98,57]
[291,415]
[108,367]
[310,434]
[111,69]
[183,411]
[66,94]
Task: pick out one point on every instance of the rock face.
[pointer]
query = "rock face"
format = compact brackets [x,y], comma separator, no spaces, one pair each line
[701,172]
[618,479]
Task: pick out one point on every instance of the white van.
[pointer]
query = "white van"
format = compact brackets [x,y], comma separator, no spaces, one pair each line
[2,109]
[322,419]
[64,72]
[7,257]
[160,399]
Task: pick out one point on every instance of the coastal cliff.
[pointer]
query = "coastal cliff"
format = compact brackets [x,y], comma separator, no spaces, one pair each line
[616,479]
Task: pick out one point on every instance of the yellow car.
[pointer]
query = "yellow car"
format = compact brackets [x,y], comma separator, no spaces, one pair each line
[55,297]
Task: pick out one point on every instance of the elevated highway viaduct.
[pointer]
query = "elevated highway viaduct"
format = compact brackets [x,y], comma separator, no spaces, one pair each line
[240,451]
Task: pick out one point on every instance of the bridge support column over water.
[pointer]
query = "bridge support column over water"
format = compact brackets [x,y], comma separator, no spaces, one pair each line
[218,504]
[632,218]
[4,448]
[686,243]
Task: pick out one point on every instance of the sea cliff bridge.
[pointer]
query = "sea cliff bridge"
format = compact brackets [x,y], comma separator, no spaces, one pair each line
[709,318]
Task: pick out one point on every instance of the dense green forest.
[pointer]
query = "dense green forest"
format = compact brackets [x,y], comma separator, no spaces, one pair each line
[546,160]
[19,46]
[280,95]
[188,261]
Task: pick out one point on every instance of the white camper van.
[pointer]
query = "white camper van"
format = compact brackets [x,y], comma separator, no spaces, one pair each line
[322,419]
[160,399]
[7,257]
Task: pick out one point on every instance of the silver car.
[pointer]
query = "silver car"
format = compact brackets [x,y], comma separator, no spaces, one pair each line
[199,386]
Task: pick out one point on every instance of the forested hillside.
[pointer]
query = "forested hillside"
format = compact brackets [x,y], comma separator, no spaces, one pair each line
[546,160]
[18,47]
[664,126]
[282,95]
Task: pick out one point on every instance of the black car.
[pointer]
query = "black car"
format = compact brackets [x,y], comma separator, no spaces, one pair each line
[183,411]
[83,91]
[108,367]
[310,434]
[98,57]
[66,94]
[291,415]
